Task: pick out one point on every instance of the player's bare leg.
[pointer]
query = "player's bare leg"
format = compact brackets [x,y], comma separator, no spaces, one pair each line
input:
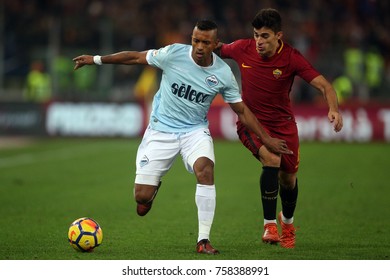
[144,196]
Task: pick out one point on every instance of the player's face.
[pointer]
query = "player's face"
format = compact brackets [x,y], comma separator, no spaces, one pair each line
[267,41]
[203,44]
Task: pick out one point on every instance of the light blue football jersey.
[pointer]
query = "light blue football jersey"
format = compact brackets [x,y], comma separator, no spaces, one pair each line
[186,90]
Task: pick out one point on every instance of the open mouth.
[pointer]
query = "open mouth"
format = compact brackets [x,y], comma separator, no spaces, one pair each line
[199,55]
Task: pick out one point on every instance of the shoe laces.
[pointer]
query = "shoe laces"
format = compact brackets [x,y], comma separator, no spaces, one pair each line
[271,228]
[288,231]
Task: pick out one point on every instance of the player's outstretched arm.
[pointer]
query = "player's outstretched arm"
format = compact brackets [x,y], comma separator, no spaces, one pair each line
[125,57]
[274,145]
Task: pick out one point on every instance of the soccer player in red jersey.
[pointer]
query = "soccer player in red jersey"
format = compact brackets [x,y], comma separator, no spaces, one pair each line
[268,66]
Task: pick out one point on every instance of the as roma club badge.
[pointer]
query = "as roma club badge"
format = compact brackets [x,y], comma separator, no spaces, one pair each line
[277,73]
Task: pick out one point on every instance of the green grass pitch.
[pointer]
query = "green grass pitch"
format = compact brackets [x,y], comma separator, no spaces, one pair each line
[342,214]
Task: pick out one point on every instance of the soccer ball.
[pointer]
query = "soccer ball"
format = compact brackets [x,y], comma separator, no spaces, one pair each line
[85,234]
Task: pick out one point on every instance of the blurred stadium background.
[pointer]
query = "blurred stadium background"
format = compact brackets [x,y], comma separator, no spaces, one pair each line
[40,94]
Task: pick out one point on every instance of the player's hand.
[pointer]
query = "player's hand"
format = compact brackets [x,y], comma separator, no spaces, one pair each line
[82,60]
[336,119]
[277,146]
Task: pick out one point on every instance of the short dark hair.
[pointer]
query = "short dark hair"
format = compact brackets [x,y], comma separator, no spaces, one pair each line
[206,25]
[269,18]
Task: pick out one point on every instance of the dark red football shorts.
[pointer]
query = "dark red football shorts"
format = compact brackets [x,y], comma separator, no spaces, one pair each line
[287,132]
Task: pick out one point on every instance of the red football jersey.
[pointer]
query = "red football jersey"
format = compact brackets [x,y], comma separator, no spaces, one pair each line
[266,83]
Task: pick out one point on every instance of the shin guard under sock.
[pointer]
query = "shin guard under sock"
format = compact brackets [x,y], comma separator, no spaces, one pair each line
[205,198]
[269,188]
[289,200]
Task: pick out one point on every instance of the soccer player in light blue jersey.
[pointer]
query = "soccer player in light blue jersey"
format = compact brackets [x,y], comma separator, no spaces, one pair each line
[192,76]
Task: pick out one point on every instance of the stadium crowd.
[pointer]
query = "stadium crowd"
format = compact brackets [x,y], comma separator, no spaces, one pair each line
[348,41]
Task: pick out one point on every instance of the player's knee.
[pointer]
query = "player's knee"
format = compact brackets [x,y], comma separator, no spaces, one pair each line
[145,187]
[143,193]
[269,159]
[204,172]
[288,181]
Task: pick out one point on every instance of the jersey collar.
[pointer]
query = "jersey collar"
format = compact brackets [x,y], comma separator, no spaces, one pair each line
[281,47]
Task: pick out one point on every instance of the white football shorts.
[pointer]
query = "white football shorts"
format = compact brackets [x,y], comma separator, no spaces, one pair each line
[158,151]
